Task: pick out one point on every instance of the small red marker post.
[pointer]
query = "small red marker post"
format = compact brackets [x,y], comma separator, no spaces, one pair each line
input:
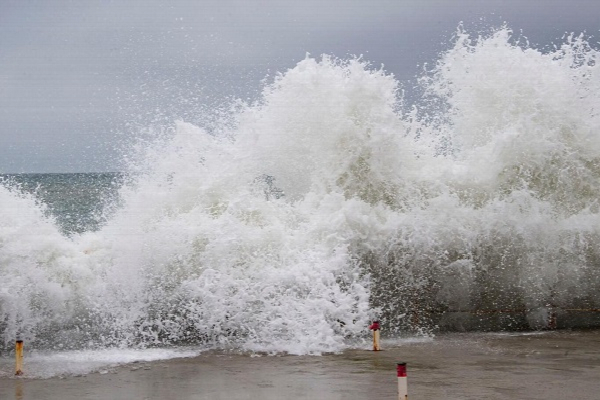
[375,328]
[402,381]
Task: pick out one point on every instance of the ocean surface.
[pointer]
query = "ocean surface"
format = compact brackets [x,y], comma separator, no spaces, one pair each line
[77,202]
[292,222]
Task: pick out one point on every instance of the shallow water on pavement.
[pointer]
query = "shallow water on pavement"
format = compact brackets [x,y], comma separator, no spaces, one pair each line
[535,365]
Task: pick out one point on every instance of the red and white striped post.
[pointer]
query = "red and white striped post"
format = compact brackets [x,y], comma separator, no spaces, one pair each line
[402,382]
[375,328]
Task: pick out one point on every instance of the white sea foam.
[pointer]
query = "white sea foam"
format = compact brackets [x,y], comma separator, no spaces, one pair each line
[324,205]
[49,364]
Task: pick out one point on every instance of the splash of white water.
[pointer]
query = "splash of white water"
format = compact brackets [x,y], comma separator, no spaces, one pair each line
[324,205]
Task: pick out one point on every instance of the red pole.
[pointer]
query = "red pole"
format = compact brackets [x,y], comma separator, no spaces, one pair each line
[402,381]
[375,328]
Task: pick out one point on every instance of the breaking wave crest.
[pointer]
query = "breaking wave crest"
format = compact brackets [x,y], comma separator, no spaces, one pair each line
[330,202]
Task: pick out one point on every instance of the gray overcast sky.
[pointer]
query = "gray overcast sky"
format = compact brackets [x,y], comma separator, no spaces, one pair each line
[75,76]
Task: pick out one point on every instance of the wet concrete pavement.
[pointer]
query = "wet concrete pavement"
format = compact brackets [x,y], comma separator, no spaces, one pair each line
[546,365]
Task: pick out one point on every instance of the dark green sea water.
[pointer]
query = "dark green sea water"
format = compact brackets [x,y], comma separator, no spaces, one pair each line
[77,201]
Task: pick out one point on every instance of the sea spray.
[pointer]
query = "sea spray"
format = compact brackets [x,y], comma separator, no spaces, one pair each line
[324,204]
[519,139]
[36,262]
